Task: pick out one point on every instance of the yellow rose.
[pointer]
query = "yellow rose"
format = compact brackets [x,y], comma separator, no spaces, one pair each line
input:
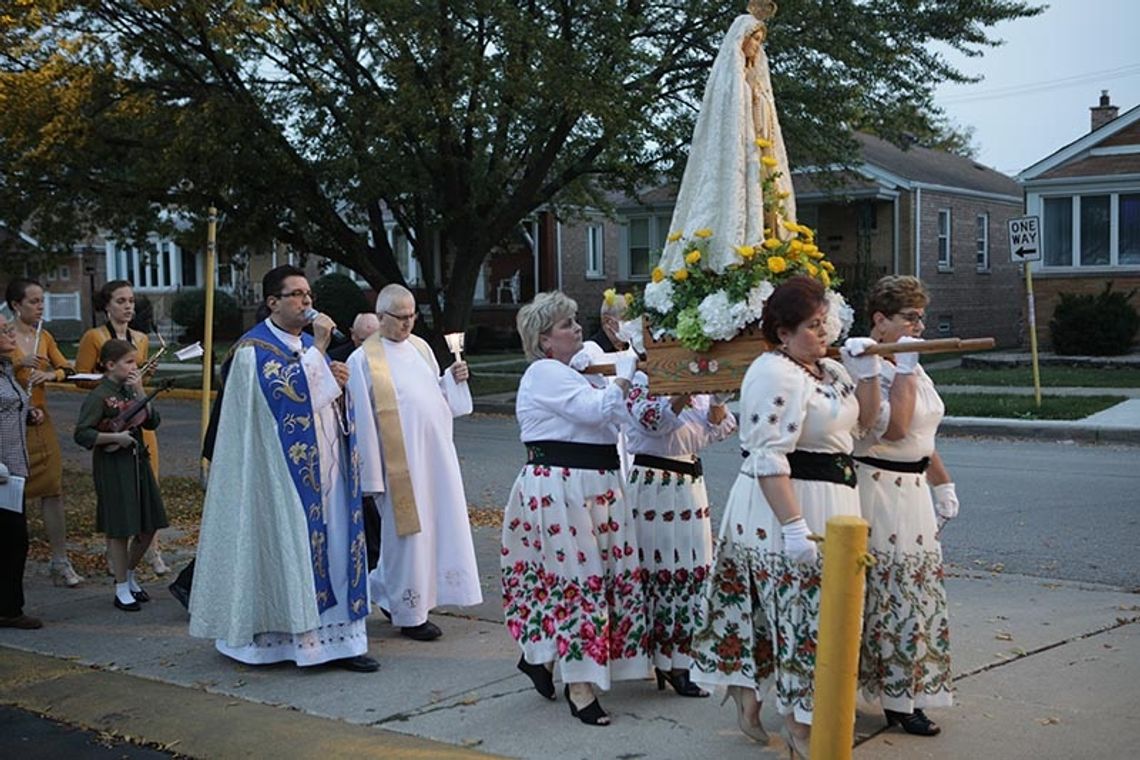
[628,298]
[812,269]
[692,257]
[762,143]
[658,274]
[772,243]
[783,195]
[704,232]
[608,296]
[796,246]
[680,275]
[825,278]
[811,248]
[790,226]
[814,254]
[768,161]
[827,266]
[776,264]
[674,237]
[745,251]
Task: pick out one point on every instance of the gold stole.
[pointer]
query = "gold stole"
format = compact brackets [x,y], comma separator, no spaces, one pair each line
[391,434]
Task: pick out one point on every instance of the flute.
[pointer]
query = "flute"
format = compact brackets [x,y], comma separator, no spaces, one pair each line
[935,346]
[35,352]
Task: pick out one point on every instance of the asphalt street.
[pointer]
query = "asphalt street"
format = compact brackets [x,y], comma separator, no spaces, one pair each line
[1047,509]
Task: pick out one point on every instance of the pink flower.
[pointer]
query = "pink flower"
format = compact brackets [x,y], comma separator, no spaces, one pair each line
[594,583]
[504,551]
[548,625]
[563,646]
[515,628]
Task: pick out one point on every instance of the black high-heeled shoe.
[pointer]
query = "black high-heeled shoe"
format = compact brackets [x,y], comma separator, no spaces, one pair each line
[592,714]
[913,723]
[542,678]
[680,683]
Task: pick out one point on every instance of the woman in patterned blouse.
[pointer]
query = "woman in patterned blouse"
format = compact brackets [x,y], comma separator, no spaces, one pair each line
[799,413]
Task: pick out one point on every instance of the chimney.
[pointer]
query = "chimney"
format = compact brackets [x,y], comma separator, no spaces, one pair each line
[1104,112]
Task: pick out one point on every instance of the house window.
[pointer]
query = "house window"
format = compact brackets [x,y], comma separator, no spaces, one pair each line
[983,242]
[1128,216]
[595,261]
[944,238]
[1058,232]
[646,240]
[405,257]
[161,265]
[1095,230]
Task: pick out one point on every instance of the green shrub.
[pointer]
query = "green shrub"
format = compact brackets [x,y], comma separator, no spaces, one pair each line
[1094,325]
[341,298]
[189,311]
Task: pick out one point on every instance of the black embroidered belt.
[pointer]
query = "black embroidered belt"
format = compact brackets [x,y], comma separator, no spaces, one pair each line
[889,464]
[692,469]
[578,456]
[818,465]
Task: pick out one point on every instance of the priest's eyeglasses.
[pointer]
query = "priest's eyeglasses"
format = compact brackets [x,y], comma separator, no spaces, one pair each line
[302,294]
[402,317]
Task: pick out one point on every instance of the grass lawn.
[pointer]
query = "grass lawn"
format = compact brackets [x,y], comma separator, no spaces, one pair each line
[481,385]
[1082,377]
[1024,407]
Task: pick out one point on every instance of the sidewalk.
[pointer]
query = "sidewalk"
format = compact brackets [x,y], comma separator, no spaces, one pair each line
[1043,670]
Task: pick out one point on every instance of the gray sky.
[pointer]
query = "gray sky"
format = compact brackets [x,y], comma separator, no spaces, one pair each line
[1039,86]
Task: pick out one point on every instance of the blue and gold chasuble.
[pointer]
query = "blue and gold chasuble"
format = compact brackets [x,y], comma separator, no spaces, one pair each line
[286,391]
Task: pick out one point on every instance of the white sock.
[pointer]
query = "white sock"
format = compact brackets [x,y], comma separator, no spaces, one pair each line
[123,593]
[134,584]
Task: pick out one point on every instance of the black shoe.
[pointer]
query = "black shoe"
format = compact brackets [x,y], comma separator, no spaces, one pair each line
[386,614]
[426,631]
[131,607]
[540,676]
[680,683]
[913,723]
[592,714]
[181,593]
[359,664]
[140,596]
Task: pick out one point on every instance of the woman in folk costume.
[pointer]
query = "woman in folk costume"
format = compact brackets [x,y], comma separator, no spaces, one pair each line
[572,582]
[670,506]
[905,659]
[799,413]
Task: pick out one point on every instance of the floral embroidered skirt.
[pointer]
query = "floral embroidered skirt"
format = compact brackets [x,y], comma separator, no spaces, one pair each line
[905,655]
[674,544]
[572,582]
[759,618]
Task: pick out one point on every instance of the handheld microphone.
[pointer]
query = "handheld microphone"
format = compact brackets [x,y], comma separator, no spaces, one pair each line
[311,314]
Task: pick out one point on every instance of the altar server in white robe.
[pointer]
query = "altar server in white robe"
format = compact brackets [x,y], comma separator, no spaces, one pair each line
[281,567]
[404,409]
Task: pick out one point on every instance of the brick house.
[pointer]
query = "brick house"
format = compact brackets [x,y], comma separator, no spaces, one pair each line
[1088,197]
[914,211]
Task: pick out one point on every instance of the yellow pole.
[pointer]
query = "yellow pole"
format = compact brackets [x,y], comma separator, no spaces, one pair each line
[1032,314]
[208,329]
[845,561]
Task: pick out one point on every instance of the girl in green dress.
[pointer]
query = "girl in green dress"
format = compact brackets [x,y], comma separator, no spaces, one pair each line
[128,503]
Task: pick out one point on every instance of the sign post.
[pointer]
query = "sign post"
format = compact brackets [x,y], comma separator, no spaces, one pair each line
[1024,248]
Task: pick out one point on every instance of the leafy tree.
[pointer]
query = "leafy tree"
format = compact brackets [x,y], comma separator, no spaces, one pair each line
[309,121]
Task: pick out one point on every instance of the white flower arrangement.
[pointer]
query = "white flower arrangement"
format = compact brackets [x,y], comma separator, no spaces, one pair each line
[757,297]
[840,316]
[659,296]
[720,318]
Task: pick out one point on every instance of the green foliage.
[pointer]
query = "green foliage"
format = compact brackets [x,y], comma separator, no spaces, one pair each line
[342,299]
[189,310]
[1025,407]
[1094,325]
[307,122]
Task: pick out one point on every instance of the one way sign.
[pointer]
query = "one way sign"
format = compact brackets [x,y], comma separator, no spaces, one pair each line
[1025,238]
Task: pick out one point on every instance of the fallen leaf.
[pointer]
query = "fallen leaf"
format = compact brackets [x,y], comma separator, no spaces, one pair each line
[1050,721]
[1004,636]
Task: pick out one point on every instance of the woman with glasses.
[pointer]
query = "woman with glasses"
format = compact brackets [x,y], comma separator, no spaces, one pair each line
[905,658]
[116,300]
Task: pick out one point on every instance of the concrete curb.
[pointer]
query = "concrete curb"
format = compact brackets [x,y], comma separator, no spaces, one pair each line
[1041,430]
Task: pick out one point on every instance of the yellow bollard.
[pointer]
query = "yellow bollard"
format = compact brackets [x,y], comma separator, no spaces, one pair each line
[845,561]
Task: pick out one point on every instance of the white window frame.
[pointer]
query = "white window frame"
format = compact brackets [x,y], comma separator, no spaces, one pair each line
[945,263]
[167,281]
[405,256]
[658,232]
[62,306]
[982,240]
[595,251]
[1077,198]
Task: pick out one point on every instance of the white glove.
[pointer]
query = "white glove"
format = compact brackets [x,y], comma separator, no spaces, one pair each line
[796,543]
[580,361]
[3,473]
[626,366]
[945,501]
[859,366]
[905,364]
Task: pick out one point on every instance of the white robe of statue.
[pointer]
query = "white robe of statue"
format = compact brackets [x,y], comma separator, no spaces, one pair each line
[437,565]
[720,189]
